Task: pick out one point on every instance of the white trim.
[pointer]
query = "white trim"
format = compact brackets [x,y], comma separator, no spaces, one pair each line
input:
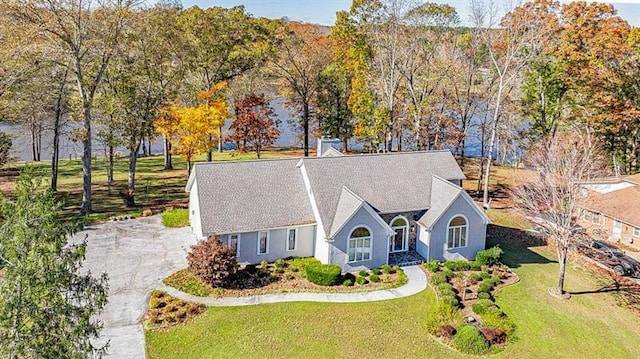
[371,212]
[636,232]
[237,242]
[370,243]
[295,242]
[462,193]
[267,244]
[405,240]
[466,232]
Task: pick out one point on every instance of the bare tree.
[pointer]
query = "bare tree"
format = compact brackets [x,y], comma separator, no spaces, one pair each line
[552,195]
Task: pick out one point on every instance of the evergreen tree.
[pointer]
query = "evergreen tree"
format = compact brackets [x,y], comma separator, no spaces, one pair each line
[48,308]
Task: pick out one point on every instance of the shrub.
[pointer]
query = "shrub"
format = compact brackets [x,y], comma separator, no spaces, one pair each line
[290,276]
[295,269]
[449,300]
[263,264]
[482,306]
[484,295]
[386,269]
[279,263]
[447,292]
[495,318]
[363,273]
[494,336]
[476,277]
[155,303]
[438,278]
[361,280]
[489,256]
[433,265]
[469,340]
[448,273]
[213,262]
[485,275]
[447,331]
[375,271]
[298,264]
[461,265]
[473,265]
[374,278]
[445,287]
[395,269]
[323,274]
[347,283]
[177,217]
[485,287]
[279,270]
[441,315]
[147,212]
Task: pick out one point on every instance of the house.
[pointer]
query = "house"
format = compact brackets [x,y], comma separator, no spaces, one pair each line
[358,211]
[612,209]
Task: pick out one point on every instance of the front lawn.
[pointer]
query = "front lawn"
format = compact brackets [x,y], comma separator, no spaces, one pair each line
[590,325]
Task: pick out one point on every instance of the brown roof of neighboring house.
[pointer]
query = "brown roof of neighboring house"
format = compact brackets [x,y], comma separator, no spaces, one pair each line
[623,204]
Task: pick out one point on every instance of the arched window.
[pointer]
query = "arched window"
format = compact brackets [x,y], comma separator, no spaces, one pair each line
[457,234]
[359,246]
[399,242]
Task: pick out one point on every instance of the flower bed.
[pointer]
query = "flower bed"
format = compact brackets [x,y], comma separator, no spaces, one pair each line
[466,315]
[166,311]
[290,275]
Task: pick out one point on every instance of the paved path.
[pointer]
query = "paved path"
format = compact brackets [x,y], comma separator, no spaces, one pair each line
[417,282]
[136,254]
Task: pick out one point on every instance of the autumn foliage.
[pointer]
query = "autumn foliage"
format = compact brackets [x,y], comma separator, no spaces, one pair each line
[255,125]
[212,261]
[195,130]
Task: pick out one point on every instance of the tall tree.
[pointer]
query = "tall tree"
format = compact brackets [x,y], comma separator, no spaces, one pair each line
[48,306]
[223,44]
[335,118]
[304,53]
[255,126]
[86,35]
[552,195]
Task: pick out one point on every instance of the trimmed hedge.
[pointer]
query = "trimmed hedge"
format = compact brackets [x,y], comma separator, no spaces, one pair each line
[469,340]
[460,265]
[323,274]
[489,256]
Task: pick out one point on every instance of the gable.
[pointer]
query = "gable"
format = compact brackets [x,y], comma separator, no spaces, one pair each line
[363,216]
[395,182]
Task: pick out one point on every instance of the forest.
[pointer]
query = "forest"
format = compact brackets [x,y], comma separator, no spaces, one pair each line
[395,75]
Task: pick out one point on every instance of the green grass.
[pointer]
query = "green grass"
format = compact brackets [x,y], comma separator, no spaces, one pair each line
[184,281]
[155,187]
[589,325]
[174,218]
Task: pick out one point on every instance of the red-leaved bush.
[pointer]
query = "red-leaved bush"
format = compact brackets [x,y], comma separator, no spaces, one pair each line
[213,262]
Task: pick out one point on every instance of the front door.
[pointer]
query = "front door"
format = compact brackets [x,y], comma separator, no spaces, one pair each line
[616,231]
[398,241]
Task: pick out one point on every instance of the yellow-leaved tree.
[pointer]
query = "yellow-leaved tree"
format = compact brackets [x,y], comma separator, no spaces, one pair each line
[195,130]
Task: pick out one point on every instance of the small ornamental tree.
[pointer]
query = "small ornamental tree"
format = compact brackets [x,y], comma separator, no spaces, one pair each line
[255,125]
[213,261]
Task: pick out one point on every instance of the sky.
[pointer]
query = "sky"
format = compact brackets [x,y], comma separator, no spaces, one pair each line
[323,11]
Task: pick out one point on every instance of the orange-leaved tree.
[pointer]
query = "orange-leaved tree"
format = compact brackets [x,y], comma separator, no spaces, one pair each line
[195,130]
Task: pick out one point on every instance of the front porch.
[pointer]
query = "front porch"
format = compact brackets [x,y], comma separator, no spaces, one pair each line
[406,258]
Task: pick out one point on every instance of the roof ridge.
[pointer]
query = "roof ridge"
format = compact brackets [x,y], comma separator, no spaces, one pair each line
[206,163]
[447,182]
[358,155]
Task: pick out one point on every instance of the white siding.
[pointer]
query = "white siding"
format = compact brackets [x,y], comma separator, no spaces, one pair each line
[194,211]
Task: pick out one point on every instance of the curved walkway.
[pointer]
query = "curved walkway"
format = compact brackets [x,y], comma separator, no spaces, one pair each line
[416,282]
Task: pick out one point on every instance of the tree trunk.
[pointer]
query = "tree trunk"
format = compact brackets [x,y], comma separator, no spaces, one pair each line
[110,169]
[496,115]
[168,165]
[305,124]
[86,160]
[210,153]
[562,261]
[131,184]
[56,134]
[220,139]
[188,166]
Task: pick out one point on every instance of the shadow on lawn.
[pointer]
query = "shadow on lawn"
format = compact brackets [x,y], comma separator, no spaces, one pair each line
[516,245]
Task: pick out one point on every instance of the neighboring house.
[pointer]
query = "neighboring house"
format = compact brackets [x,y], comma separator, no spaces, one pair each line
[612,209]
[358,211]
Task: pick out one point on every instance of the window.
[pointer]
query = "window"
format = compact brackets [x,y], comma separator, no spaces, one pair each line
[232,241]
[636,232]
[359,246]
[263,242]
[292,239]
[457,234]
[399,241]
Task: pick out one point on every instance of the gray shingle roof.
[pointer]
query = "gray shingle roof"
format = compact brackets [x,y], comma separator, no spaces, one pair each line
[242,196]
[388,182]
[444,193]
[348,204]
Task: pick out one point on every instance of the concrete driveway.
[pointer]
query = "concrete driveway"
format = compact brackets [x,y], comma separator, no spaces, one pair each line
[136,254]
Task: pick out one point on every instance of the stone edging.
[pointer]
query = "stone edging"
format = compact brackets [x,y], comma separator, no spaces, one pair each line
[416,282]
